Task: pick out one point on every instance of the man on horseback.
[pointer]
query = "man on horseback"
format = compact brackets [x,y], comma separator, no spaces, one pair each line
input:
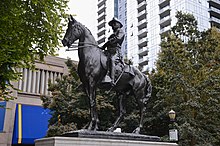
[91,70]
[114,46]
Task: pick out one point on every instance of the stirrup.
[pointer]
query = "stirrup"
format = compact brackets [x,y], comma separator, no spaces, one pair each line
[113,83]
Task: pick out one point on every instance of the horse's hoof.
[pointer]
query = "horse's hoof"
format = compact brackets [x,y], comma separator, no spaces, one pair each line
[111,129]
[136,131]
[96,128]
[90,127]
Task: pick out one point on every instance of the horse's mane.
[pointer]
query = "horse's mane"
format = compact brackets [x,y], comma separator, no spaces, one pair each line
[79,25]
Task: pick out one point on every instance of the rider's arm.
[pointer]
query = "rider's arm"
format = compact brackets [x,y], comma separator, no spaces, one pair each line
[118,37]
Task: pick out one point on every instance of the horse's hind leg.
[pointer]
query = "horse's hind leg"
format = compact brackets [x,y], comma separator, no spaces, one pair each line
[142,100]
[122,98]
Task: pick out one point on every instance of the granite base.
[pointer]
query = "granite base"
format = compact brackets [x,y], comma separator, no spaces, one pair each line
[101,138]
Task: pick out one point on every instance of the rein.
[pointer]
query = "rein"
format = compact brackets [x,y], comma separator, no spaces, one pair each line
[79,47]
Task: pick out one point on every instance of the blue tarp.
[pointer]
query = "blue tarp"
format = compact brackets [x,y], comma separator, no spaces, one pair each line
[34,123]
[2,115]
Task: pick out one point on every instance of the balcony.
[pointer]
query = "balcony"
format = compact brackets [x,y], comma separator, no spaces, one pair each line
[101,23]
[101,40]
[142,24]
[163,3]
[101,16]
[101,31]
[165,29]
[214,12]
[100,37]
[165,11]
[142,15]
[101,2]
[142,6]
[101,9]
[165,21]
[142,33]
[146,69]
[139,1]
[143,51]
[214,3]
[142,42]
[215,21]
[143,61]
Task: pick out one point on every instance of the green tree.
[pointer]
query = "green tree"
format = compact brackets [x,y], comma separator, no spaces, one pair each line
[70,106]
[187,80]
[29,31]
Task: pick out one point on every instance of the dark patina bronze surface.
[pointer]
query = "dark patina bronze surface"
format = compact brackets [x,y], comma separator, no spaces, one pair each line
[93,68]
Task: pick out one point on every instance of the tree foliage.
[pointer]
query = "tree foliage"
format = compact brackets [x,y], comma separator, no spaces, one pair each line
[29,30]
[187,80]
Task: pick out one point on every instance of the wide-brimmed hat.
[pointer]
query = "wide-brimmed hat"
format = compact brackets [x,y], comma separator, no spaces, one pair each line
[115,20]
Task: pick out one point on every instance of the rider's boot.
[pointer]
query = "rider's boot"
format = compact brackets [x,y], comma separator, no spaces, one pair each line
[113,75]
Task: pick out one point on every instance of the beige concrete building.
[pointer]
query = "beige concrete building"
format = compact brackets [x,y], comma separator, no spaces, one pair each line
[24,118]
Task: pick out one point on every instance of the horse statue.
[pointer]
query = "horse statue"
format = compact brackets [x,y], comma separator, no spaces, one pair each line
[92,69]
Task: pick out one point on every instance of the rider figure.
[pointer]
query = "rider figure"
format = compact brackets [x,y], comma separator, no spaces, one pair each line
[114,45]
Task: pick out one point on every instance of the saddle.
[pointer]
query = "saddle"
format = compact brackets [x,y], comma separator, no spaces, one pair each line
[120,69]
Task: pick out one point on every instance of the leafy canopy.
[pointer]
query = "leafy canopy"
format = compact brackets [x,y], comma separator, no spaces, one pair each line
[29,30]
[187,80]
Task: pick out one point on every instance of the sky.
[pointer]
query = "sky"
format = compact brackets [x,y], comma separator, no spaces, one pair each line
[85,11]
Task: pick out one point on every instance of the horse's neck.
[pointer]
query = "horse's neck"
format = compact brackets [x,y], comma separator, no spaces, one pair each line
[87,44]
[87,38]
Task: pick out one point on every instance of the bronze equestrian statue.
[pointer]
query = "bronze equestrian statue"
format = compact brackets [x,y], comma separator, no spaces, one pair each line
[93,68]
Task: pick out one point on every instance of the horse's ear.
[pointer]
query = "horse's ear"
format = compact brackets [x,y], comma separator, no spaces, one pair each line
[72,19]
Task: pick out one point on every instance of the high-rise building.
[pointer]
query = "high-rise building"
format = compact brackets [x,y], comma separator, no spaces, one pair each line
[105,12]
[107,9]
[145,20]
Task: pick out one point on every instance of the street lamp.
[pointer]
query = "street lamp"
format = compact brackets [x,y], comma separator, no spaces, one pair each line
[173,133]
[172,115]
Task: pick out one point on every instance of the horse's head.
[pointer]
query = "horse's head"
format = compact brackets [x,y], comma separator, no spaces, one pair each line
[72,33]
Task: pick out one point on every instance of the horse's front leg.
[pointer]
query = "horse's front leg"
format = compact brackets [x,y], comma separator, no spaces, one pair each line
[122,108]
[93,112]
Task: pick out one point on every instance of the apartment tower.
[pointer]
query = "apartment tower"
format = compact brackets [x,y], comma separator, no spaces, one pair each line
[146,20]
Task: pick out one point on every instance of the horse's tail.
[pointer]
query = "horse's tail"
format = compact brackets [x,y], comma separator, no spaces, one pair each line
[148,87]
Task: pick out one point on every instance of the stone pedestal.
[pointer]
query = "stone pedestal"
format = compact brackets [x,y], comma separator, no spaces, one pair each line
[76,141]
[110,135]
[101,138]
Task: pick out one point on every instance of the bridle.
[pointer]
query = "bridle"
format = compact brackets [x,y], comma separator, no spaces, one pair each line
[74,45]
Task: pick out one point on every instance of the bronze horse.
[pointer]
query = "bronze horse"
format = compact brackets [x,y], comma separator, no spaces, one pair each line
[92,68]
